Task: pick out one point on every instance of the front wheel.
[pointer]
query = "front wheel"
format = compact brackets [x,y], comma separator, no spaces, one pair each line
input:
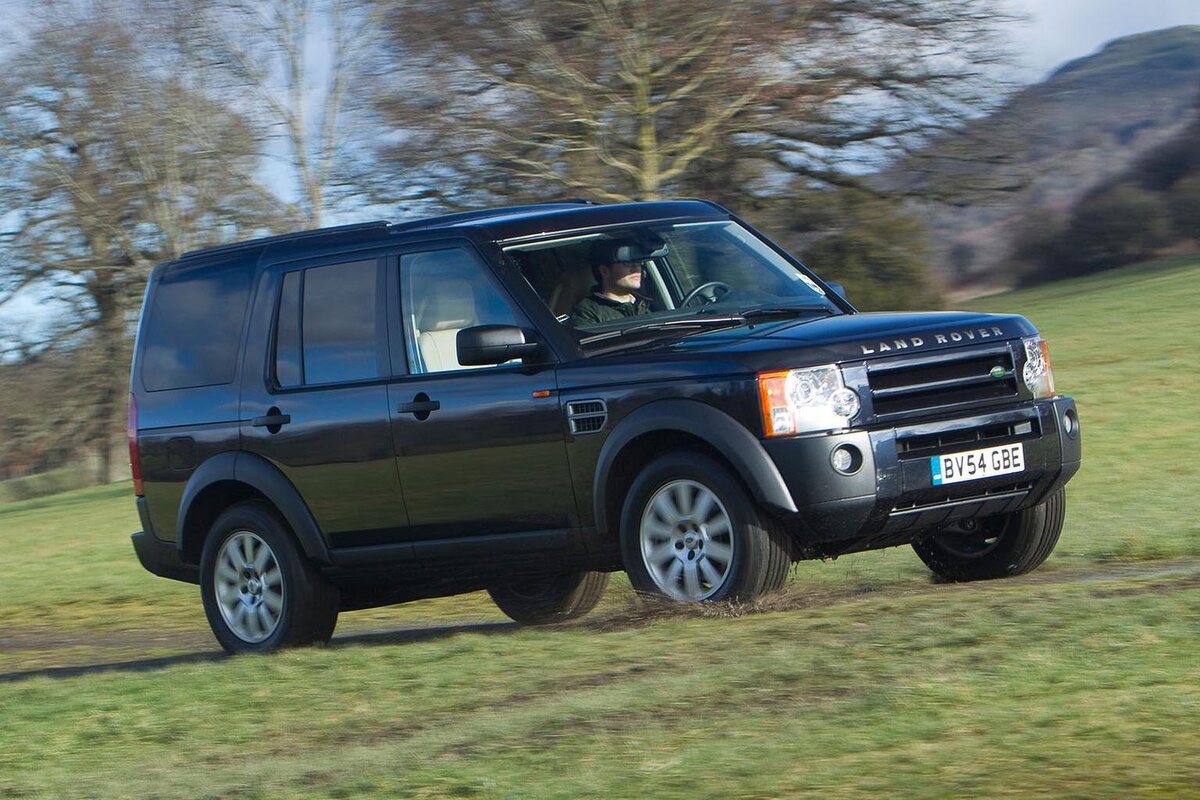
[690,532]
[996,547]
[259,591]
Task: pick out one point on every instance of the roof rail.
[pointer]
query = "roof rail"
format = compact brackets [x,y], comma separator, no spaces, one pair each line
[480,214]
[706,202]
[285,237]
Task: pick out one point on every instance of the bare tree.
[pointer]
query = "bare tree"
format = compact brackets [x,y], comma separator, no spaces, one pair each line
[622,99]
[293,60]
[110,165]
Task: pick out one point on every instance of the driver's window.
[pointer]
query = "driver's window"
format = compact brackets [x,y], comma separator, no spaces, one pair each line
[442,292]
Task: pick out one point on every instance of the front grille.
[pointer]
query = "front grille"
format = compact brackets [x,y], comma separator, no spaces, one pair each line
[936,443]
[586,416]
[947,380]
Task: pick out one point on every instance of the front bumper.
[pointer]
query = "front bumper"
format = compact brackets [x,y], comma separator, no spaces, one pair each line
[891,497]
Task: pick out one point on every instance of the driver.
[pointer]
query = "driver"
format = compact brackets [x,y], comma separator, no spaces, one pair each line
[618,283]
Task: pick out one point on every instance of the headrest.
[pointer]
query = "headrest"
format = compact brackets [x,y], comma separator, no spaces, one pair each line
[448,304]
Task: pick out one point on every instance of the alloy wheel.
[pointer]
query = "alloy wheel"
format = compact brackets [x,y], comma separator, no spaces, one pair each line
[249,586]
[687,543]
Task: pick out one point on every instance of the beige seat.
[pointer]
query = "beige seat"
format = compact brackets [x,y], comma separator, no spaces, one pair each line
[573,286]
[447,308]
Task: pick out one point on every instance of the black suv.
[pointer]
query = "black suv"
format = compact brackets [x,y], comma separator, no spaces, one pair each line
[365,415]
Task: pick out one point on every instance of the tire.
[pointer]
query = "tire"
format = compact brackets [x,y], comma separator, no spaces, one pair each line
[260,593]
[543,600]
[996,547]
[690,532]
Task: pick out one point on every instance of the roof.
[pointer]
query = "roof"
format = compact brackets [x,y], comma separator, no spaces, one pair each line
[379,227]
[500,223]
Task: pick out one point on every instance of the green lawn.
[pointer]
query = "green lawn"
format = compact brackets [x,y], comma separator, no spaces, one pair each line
[1126,345]
[863,679]
[1028,687]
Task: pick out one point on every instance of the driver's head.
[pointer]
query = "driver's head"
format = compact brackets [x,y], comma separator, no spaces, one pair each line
[613,268]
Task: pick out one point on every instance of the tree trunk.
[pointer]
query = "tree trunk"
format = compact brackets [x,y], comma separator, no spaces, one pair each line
[108,376]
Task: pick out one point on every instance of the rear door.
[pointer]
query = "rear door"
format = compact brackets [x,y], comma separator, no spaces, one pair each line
[480,450]
[319,408]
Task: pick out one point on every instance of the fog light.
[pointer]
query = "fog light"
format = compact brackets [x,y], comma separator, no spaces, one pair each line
[846,459]
[1071,423]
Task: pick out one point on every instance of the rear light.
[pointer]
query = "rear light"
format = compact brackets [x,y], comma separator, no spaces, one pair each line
[135,464]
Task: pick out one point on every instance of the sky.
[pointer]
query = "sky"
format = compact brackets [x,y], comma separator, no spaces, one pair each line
[1056,31]
[1062,30]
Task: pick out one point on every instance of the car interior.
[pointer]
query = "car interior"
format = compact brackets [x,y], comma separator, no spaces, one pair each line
[444,292]
[561,273]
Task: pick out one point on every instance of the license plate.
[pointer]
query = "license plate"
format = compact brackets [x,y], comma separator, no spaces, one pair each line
[973,465]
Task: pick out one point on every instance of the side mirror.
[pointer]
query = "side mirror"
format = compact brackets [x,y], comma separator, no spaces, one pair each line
[837,287]
[486,345]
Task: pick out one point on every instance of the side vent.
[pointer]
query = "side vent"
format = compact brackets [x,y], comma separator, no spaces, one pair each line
[586,416]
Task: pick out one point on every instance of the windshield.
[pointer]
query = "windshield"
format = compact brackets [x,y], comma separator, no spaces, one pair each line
[625,278]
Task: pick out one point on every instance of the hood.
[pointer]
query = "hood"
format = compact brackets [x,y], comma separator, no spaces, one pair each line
[861,336]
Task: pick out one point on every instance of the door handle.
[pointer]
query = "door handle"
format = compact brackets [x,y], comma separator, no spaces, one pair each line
[273,419]
[421,406]
[417,407]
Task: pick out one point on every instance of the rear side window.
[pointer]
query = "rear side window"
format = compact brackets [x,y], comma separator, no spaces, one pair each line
[327,329]
[193,328]
[289,370]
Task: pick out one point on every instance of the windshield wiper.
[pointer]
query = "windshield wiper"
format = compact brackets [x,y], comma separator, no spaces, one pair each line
[783,311]
[742,317]
[663,325]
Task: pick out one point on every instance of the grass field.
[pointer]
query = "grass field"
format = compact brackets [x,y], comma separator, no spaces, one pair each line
[863,679]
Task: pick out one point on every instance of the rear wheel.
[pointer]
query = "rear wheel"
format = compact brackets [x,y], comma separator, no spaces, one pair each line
[996,547]
[690,532]
[546,599]
[259,591]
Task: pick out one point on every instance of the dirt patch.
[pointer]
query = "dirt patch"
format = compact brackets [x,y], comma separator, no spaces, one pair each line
[795,598]
[1155,587]
[44,638]
[39,650]
[644,611]
[45,653]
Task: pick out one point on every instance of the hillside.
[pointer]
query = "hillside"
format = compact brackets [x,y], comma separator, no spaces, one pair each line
[1086,123]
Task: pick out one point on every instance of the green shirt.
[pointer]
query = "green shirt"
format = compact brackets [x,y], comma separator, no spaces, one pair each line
[596,309]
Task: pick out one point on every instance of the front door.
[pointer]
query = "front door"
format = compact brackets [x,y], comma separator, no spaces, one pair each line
[480,450]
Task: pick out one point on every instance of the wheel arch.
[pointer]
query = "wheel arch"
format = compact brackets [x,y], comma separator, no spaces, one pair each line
[229,478]
[681,424]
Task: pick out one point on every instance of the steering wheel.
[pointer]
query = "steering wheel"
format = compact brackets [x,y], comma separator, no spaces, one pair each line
[709,292]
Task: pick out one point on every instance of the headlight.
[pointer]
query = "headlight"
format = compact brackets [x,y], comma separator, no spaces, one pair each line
[1038,375]
[805,400]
